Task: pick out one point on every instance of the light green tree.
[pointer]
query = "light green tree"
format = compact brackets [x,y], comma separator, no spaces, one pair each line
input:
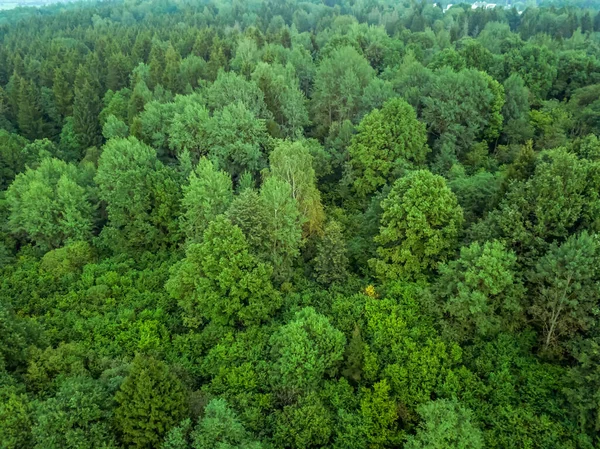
[283,225]
[339,84]
[220,281]
[220,428]
[51,205]
[236,140]
[388,141]
[207,195]
[445,425]
[306,350]
[293,163]
[140,193]
[420,226]
[283,97]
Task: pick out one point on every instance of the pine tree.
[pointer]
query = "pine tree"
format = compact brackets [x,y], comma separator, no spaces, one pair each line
[171,76]
[151,401]
[86,109]
[63,93]
[29,115]
[157,64]
[331,262]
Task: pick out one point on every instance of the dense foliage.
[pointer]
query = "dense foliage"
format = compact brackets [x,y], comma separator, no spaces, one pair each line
[299,224]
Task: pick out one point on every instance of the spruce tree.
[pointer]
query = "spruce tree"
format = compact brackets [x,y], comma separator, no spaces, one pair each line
[151,401]
[86,109]
[331,262]
[63,93]
[29,115]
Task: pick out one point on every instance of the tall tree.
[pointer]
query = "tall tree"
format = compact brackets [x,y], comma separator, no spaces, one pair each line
[388,142]
[86,109]
[305,350]
[481,291]
[79,416]
[207,195]
[220,427]
[331,261]
[151,400]
[29,115]
[293,163]
[140,193]
[220,281]
[446,424]
[63,93]
[339,84]
[420,226]
[283,226]
[565,282]
[51,205]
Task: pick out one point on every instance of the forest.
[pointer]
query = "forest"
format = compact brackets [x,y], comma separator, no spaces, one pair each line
[272,224]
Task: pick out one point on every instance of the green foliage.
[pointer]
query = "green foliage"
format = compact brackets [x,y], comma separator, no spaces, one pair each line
[481,291]
[464,106]
[16,418]
[231,88]
[516,110]
[151,401]
[51,205]
[283,97]
[283,225]
[446,424]
[140,195]
[339,84]
[221,428]
[207,195]
[219,280]
[114,127]
[379,416]
[548,207]
[239,197]
[420,225]
[565,284]
[86,108]
[305,350]
[331,262]
[236,140]
[77,417]
[304,424]
[293,163]
[388,142]
[12,157]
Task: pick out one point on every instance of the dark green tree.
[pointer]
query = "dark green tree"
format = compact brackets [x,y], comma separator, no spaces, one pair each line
[331,262]
[78,417]
[86,109]
[151,400]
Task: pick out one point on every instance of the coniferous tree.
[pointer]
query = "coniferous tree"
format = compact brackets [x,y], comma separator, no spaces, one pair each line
[86,109]
[63,93]
[29,115]
[331,262]
[151,401]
